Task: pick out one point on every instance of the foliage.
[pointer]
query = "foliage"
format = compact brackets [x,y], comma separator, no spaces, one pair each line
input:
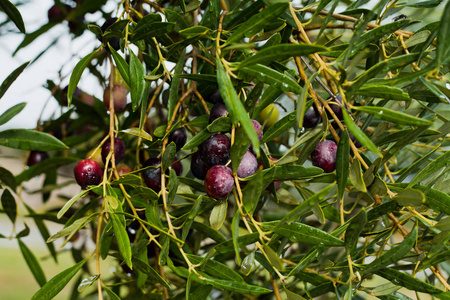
[382,213]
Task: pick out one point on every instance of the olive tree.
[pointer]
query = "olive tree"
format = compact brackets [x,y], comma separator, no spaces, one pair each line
[245,149]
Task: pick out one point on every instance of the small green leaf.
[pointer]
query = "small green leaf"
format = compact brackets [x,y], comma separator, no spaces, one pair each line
[356,176]
[220,124]
[139,133]
[270,76]
[30,37]
[111,294]
[394,254]
[359,134]
[13,13]
[273,258]
[353,232]
[32,263]
[302,233]
[342,162]
[218,215]
[87,282]
[410,197]
[198,139]
[174,86]
[216,268]
[69,203]
[407,281]
[77,72]
[280,52]
[234,105]
[393,116]
[11,113]
[168,156]
[122,239]
[257,22]
[9,205]
[173,186]
[57,283]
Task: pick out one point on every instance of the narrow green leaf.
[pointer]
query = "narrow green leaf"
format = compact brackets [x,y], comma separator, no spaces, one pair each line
[305,206]
[173,186]
[434,90]
[252,192]
[27,139]
[393,116]
[11,113]
[423,4]
[302,233]
[203,78]
[7,178]
[148,270]
[257,22]
[359,134]
[111,294]
[270,76]
[30,37]
[218,215]
[175,84]
[69,203]
[32,263]
[147,28]
[289,172]
[77,72]
[11,78]
[302,100]
[407,281]
[383,66]
[443,42]
[121,64]
[139,133]
[354,230]
[280,53]
[234,105]
[137,72]
[216,268]
[239,148]
[280,127]
[168,156]
[57,283]
[377,33]
[13,13]
[383,91]
[394,254]
[198,139]
[356,176]
[235,235]
[342,162]
[50,164]
[435,166]
[9,205]
[122,239]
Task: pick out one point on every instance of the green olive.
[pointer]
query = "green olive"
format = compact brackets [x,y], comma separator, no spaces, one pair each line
[269,115]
